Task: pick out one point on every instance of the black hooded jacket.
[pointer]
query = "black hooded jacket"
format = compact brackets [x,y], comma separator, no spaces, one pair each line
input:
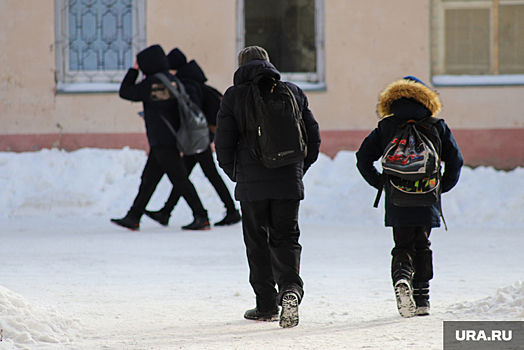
[408,100]
[154,95]
[254,181]
[192,76]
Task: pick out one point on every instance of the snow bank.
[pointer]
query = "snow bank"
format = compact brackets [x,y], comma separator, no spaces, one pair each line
[25,324]
[506,304]
[104,182]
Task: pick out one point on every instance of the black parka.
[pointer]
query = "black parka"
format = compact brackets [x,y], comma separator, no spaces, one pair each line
[254,181]
[192,76]
[154,95]
[408,100]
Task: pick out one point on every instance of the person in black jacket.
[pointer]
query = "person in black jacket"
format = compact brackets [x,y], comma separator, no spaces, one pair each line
[192,76]
[164,156]
[412,262]
[269,198]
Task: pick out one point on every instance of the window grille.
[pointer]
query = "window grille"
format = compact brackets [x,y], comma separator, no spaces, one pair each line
[477,42]
[96,42]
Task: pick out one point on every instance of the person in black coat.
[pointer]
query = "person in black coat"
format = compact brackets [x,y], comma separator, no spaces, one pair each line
[410,98]
[164,156]
[192,76]
[269,198]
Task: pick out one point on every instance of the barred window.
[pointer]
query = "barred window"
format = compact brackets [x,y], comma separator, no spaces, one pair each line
[292,33]
[96,42]
[477,42]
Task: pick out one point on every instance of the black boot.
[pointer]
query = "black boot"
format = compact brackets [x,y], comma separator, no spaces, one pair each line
[402,275]
[200,223]
[129,221]
[258,315]
[159,216]
[421,296]
[231,218]
[289,312]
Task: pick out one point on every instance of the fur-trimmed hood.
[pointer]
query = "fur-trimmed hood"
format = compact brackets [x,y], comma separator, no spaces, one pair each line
[407,88]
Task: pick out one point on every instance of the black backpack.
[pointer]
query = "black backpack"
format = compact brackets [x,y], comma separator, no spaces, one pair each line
[411,163]
[275,132]
[211,98]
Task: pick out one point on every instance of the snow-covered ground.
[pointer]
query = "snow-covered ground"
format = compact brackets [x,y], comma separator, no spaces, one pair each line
[72,280]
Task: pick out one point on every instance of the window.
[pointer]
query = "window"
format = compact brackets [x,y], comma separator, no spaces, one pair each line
[292,33]
[477,42]
[96,42]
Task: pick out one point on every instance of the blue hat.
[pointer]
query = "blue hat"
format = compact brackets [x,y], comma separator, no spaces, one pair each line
[415,79]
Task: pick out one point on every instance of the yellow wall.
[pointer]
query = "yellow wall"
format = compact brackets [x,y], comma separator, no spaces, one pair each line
[368,44]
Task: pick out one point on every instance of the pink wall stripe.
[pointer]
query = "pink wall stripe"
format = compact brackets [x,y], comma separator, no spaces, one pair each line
[500,148]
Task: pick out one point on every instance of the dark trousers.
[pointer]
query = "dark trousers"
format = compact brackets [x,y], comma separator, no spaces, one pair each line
[166,160]
[412,250]
[271,236]
[205,159]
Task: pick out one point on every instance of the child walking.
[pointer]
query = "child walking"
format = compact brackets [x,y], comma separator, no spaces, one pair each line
[409,99]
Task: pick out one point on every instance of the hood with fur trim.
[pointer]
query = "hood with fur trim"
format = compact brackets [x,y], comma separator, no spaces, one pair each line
[405,88]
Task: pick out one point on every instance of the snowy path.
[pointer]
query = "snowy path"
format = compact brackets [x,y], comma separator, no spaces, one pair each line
[97,286]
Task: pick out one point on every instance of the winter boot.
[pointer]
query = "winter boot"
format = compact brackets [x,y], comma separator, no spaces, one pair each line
[421,296]
[257,315]
[129,221]
[231,218]
[289,313]
[159,216]
[200,223]
[402,281]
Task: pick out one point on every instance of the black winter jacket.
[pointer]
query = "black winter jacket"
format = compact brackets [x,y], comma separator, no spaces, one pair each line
[408,100]
[154,95]
[254,181]
[192,76]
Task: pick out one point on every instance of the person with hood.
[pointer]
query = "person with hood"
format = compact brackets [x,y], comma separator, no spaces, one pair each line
[412,262]
[269,198]
[192,76]
[160,106]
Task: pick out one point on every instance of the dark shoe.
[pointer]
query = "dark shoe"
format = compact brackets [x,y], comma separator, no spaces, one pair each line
[404,295]
[128,222]
[230,219]
[422,310]
[159,216]
[289,313]
[257,315]
[421,296]
[402,271]
[199,223]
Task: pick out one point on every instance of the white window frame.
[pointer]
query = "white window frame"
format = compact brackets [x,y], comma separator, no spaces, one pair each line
[91,81]
[438,9]
[306,81]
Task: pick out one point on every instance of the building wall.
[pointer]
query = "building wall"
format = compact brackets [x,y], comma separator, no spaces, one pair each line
[368,44]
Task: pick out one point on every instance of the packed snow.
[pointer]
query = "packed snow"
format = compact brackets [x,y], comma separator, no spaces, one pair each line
[72,280]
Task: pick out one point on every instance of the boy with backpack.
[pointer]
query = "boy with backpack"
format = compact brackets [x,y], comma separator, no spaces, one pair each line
[208,100]
[260,141]
[412,144]
[161,116]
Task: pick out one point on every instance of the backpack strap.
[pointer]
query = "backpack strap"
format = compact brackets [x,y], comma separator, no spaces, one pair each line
[180,93]
[382,182]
